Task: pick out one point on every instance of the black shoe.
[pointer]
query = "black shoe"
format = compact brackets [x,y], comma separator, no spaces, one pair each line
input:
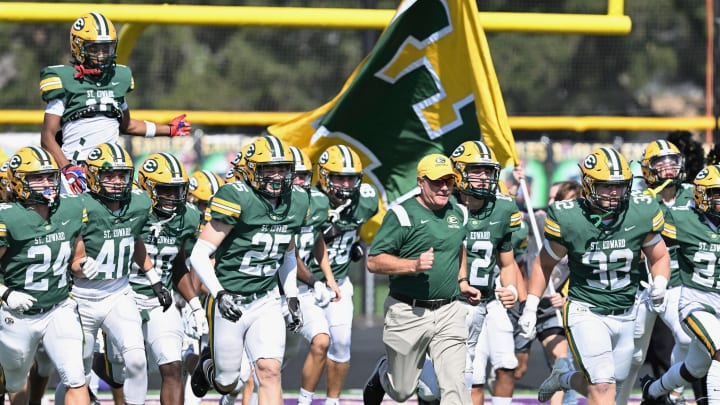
[93,398]
[198,381]
[645,383]
[374,393]
[421,401]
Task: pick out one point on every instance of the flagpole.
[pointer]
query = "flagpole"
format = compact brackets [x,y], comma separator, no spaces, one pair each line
[536,234]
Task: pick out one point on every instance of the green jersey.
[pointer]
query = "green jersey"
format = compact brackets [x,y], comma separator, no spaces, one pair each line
[317,215]
[247,260]
[165,238]
[88,96]
[604,260]
[38,251]
[698,242]
[489,232]
[110,237]
[349,226]
[410,229]
[683,197]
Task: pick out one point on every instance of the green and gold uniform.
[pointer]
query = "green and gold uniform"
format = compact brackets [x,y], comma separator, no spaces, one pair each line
[605,263]
[317,215]
[91,107]
[110,237]
[489,232]
[164,239]
[248,258]
[683,197]
[348,225]
[39,251]
[698,247]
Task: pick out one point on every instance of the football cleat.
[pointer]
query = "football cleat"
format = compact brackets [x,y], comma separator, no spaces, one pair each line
[551,385]
[373,393]
[199,382]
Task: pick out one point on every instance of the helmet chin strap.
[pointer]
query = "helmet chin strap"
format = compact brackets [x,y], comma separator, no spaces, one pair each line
[81,71]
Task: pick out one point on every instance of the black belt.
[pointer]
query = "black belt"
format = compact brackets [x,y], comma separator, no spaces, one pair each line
[429,304]
[605,311]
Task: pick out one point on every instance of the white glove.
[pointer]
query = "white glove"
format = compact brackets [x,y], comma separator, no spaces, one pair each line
[195,323]
[89,267]
[528,319]
[656,294]
[19,301]
[322,294]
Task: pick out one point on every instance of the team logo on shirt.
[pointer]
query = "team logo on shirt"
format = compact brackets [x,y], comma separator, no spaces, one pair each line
[453,221]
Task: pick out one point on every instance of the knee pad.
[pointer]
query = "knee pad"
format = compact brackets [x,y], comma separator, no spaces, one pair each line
[339,350]
[135,361]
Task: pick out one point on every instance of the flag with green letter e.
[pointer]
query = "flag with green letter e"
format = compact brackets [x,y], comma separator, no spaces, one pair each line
[428,85]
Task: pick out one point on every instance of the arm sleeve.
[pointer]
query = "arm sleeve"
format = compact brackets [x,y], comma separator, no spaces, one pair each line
[201,264]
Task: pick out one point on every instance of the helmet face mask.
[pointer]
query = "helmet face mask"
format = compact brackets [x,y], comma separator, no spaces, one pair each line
[606,180]
[478,168]
[662,161]
[340,174]
[164,178]
[34,165]
[269,167]
[93,42]
[110,172]
[707,191]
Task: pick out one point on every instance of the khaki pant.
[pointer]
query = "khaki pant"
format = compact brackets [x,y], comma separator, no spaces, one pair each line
[412,332]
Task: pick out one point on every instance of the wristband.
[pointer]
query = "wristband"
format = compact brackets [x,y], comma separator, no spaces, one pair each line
[460,280]
[194,304]
[153,276]
[150,129]
[6,294]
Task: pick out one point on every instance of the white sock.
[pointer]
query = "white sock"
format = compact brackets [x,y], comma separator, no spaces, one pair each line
[332,401]
[305,397]
[713,382]
[501,401]
[667,382]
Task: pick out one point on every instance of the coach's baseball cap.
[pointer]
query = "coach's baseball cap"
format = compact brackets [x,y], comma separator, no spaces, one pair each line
[435,166]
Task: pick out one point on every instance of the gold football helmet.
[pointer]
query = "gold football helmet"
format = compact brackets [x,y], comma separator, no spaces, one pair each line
[662,151]
[5,190]
[340,160]
[471,154]
[237,168]
[109,158]
[268,153]
[303,167]
[93,42]
[27,162]
[707,191]
[203,185]
[606,166]
[159,174]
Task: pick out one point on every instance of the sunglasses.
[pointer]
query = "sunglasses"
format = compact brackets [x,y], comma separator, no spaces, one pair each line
[448,181]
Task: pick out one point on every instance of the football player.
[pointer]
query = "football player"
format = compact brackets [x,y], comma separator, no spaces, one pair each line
[113,238]
[169,231]
[86,100]
[251,234]
[314,295]
[492,218]
[693,230]
[604,235]
[5,189]
[663,169]
[352,203]
[39,235]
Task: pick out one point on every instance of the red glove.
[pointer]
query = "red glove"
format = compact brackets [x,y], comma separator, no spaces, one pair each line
[76,180]
[180,127]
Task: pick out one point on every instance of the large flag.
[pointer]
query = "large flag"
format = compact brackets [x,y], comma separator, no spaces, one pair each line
[427,86]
